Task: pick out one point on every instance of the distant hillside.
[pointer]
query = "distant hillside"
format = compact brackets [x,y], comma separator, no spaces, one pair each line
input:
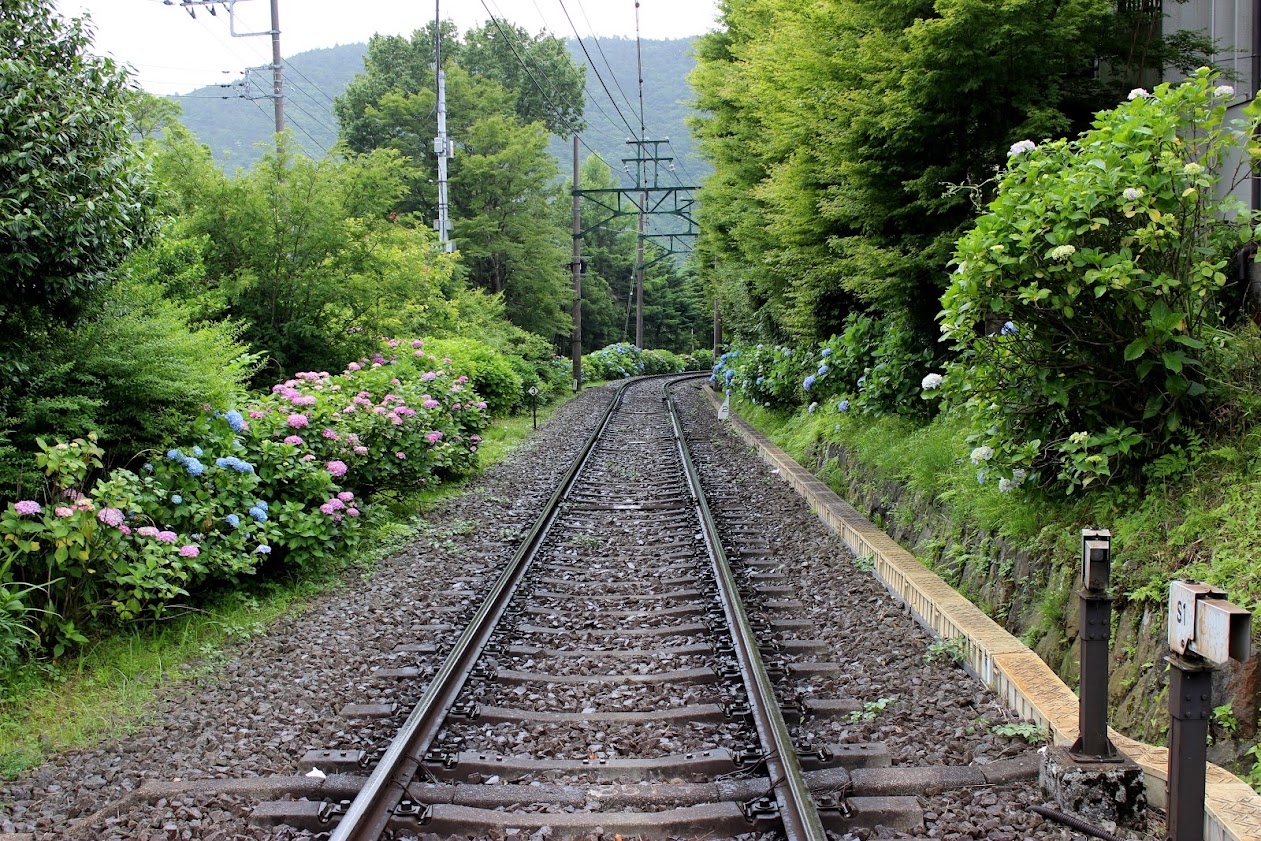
[233,128]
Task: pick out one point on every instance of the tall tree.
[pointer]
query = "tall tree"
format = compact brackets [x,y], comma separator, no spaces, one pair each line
[73,186]
[308,255]
[511,241]
[549,87]
[837,129]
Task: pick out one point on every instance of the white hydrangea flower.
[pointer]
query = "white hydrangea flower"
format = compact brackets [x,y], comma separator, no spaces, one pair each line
[930,382]
[1062,252]
[1133,193]
[1004,485]
[1224,90]
[981,454]
[1020,147]
[1193,169]
[1138,93]
[1018,475]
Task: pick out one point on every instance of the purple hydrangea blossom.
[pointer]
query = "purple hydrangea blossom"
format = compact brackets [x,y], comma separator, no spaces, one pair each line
[110,517]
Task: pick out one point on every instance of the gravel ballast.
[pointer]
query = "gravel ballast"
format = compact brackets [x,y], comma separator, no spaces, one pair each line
[217,740]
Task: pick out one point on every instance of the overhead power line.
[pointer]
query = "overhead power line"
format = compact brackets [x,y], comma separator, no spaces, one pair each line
[595,69]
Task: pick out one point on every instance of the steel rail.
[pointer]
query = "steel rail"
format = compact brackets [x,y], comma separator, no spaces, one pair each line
[797,809]
[369,813]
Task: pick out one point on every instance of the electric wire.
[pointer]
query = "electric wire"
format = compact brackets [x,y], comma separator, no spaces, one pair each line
[558,92]
[595,69]
[600,49]
[261,59]
[526,67]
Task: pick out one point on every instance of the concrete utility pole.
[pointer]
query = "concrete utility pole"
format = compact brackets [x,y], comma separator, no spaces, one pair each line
[277,95]
[277,74]
[441,143]
[576,346]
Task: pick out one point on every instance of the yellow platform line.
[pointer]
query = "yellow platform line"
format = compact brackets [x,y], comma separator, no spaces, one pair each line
[1025,683]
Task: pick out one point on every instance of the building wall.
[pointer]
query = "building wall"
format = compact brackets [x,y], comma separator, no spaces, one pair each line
[1233,26]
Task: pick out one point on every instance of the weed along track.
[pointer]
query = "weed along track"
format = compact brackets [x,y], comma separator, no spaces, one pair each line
[671,647]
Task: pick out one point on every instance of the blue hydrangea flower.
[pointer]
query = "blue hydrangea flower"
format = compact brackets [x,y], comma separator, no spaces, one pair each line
[823,369]
[808,382]
[223,462]
[258,514]
[759,380]
[260,503]
[235,420]
[194,467]
[197,451]
[827,351]
[1009,329]
[177,499]
[148,468]
[843,406]
[263,549]
[174,455]
[233,520]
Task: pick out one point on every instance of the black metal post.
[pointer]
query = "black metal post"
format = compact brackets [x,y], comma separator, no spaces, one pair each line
[1095,619]
[1190,705]
[1092,713]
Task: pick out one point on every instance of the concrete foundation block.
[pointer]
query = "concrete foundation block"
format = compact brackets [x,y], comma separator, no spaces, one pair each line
[1100,792]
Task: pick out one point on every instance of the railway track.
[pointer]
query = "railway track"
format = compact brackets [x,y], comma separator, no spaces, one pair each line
[621,676]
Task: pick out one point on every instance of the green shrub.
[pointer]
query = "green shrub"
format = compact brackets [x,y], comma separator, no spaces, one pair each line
[614,362]
[133,370]
[490,372]
[266,486]
[1082,299]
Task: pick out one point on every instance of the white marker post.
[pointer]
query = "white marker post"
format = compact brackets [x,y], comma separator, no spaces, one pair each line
[1204,630]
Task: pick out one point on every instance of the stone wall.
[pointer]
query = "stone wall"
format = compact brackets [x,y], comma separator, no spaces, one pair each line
[1031,596]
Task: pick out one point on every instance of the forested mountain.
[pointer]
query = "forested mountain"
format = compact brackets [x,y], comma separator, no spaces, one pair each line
[234,127]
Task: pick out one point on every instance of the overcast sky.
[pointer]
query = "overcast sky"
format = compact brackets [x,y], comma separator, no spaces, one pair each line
[173,53]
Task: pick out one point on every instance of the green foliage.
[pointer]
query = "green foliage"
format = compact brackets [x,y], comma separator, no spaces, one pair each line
[623,360]
[870,710]
[614,362]
[90,548]
[1224,717]
[832,128]
[942,650]
[350,269]
[769,376]
[1253,777]
[501,199]
[497,51]
[133,368]
[490,374]
[73,189]
[1032,733]
[1082,299]
[872,366]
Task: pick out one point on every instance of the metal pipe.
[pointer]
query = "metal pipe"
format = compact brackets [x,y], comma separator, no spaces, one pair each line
[1074,822]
